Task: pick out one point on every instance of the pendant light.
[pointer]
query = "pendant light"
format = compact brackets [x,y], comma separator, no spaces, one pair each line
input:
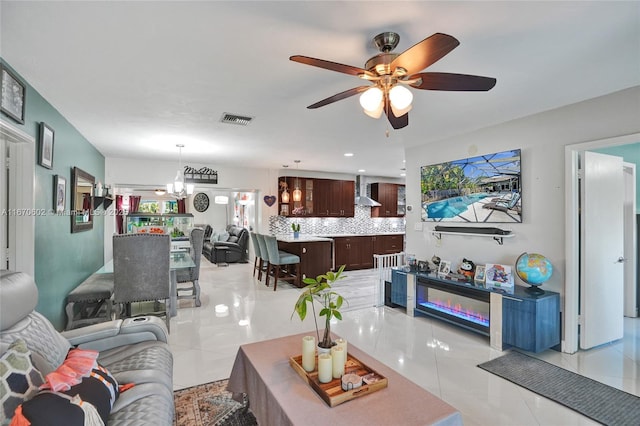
[297,193]
[178,188]
[285,194]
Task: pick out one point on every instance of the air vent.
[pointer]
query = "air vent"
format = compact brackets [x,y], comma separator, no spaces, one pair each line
[240,120]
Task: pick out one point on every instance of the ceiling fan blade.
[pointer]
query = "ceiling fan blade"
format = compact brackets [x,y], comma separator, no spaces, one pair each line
[396,122]
[454,82]
[328,65]
[425,53]
[338,97]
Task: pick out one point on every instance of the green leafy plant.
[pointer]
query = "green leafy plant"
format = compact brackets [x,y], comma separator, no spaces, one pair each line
[319,289]
[295,227]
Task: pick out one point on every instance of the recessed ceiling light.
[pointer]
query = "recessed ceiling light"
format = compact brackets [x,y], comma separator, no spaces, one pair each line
[403,174]
[348,154]
[361,170]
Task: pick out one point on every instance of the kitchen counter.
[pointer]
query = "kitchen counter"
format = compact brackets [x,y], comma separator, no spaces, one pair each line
[301,239]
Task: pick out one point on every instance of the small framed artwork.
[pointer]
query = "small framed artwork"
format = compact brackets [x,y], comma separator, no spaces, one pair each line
[13,92]
[59,193]
[444,268]
[45,152]
[479,276]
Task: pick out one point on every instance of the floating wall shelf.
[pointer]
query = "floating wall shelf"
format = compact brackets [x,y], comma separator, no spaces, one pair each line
[497,237]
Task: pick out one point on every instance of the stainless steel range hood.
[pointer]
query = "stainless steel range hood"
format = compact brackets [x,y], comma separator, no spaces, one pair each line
[361,194]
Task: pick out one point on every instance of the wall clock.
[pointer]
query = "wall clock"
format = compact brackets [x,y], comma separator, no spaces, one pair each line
[201,202]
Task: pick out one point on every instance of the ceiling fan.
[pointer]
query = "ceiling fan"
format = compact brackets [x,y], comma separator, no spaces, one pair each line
[389,73]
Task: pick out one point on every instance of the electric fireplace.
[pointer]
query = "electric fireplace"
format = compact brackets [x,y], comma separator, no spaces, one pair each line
[461,304]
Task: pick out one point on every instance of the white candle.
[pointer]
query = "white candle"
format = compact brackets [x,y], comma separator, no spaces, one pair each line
[343,344]
[309,353]
[337,355]
[325,367]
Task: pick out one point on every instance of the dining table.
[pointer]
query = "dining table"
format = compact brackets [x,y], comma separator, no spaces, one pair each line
[179,259]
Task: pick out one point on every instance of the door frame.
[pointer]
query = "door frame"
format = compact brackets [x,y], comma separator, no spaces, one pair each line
[22,184]
[572,234]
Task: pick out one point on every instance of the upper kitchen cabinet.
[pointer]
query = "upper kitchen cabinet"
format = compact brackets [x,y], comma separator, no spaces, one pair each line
[391,196]
[319,197]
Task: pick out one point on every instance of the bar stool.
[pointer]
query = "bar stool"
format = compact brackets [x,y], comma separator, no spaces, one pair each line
[281,261]
[264,256]
[257,262]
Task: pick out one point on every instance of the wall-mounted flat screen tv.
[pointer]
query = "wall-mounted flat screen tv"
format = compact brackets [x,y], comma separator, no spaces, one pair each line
[482,189]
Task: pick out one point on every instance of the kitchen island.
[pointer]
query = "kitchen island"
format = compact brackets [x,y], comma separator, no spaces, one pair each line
[316,253]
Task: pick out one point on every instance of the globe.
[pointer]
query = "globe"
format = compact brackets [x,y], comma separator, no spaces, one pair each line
[534,269]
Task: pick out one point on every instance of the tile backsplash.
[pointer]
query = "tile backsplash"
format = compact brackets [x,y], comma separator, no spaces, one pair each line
[361,223]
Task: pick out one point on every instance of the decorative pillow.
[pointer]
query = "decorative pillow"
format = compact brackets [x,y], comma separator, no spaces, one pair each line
[19,379]
[223,236]
[80,391]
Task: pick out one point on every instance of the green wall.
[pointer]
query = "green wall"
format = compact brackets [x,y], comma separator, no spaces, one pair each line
[630,153]
[62,259]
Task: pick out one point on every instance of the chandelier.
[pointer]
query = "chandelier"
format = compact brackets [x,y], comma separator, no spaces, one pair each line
[178,188]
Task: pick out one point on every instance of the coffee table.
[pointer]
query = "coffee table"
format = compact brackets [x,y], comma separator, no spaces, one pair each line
[279,396]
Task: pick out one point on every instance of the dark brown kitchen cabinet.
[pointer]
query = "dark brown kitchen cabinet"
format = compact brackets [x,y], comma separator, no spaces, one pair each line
[391,197]
[320,198]
[388,244]
[355,252]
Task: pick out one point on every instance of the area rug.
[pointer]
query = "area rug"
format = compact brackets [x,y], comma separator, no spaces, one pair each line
[602,403]
[210,404]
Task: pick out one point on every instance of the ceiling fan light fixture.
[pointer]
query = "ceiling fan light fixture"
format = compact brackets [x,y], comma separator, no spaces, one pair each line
[371,99]
[400,98]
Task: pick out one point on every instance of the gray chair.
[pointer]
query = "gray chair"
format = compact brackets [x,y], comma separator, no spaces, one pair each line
[282,265]
[264,255]
[141,271]
[257,262]
[192,275]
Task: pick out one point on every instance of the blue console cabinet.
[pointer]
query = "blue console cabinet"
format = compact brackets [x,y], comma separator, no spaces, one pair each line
[399,288]
[531,323]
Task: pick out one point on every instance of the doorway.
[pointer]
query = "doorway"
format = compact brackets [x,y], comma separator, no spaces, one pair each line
[571,311]
[17,220]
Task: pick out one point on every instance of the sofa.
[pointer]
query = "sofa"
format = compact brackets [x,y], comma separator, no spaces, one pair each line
[233,248]
[129,360]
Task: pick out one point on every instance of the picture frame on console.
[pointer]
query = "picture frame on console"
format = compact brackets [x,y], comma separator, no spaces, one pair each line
[479,275]
[444,268]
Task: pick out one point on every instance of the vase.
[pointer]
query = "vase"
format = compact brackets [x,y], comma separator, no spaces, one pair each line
[322,350]
[296,234]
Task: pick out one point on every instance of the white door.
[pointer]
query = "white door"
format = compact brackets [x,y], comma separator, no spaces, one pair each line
[630,243]
[601,247]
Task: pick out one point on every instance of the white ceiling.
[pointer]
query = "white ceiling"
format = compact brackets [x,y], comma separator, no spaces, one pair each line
[136,78]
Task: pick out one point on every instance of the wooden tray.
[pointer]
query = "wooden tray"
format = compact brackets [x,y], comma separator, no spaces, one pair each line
[332,392]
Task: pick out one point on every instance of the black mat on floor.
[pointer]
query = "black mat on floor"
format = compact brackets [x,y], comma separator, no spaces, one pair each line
[602,403]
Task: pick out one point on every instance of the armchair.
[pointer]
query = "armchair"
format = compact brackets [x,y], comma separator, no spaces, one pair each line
[134,351]
[236,247]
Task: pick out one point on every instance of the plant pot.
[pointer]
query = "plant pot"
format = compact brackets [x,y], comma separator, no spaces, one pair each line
[296,234]
[322,350]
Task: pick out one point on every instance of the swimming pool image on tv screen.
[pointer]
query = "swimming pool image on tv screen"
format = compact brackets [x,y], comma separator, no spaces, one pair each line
[481,189]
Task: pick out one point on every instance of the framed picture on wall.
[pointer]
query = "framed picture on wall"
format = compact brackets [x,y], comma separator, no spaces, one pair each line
[59,193]
[45,150]
[13,91]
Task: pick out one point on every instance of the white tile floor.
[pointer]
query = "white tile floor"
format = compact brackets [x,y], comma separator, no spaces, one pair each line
[437,356]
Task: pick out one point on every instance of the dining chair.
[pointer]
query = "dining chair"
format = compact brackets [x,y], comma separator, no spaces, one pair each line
[141,272]
[192,275]
[282,265]
[257,261]
[264,256]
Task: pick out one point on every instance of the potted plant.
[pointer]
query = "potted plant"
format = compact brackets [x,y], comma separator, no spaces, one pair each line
[320,290]
[296,229]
